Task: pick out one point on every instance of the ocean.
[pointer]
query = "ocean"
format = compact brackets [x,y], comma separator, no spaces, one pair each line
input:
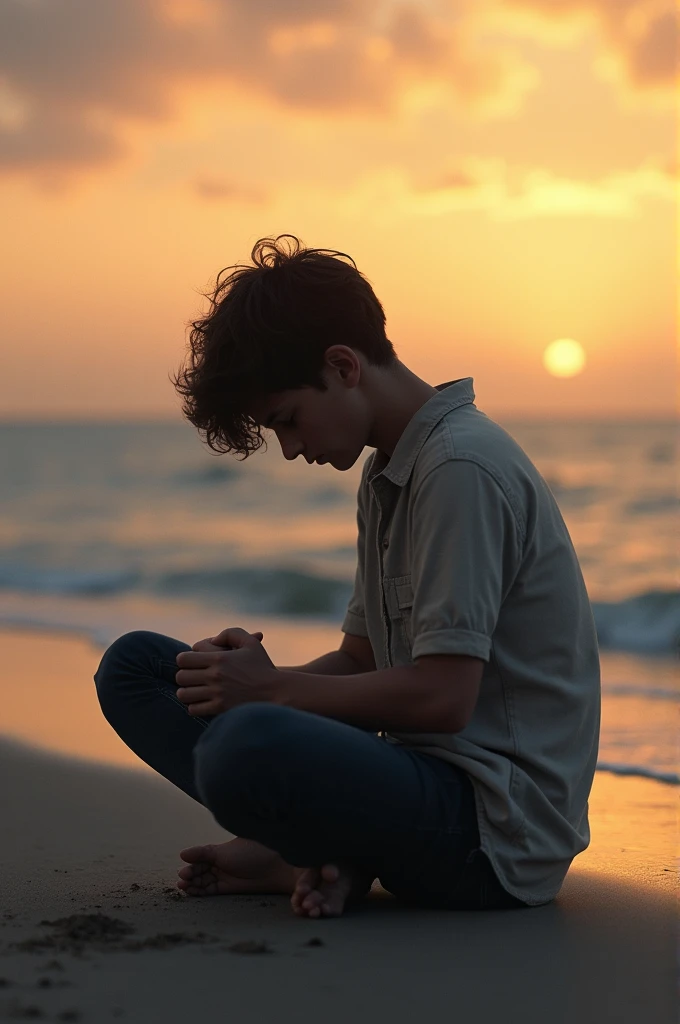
[109,527]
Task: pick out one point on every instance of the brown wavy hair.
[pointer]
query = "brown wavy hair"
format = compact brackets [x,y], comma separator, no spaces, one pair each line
[268,329]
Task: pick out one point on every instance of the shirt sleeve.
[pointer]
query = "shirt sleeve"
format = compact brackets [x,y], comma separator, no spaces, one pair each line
[466,551]
[355,617]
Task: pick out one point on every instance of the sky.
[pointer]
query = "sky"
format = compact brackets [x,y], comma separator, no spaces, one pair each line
[504,173]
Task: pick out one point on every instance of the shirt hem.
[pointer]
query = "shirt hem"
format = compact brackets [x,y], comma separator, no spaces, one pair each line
[532,899]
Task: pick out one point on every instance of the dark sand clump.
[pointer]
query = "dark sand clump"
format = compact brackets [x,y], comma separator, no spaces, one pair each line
[99,931]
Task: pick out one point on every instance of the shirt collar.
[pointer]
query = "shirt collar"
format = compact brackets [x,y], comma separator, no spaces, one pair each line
[398,468]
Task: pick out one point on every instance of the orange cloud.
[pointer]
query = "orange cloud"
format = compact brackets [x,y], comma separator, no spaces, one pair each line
[214,189]
[74,76]
[505,193]
[640,36]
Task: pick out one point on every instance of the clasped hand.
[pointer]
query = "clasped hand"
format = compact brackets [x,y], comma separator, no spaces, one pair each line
[212,679]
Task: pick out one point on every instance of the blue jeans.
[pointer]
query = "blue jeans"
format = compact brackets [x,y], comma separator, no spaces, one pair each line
[314,789]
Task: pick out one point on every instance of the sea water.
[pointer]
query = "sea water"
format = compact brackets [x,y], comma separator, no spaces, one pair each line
[105,528]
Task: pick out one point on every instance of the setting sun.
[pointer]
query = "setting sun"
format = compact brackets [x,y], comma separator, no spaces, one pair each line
[564,358]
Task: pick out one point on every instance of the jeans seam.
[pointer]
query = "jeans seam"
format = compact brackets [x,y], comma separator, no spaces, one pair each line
[158,664]
[161,662]
[175,700]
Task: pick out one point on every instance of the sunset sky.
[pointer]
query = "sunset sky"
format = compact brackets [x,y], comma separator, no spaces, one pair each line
[504,172]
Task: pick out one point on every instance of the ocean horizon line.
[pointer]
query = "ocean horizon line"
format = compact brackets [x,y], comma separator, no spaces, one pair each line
[511,417]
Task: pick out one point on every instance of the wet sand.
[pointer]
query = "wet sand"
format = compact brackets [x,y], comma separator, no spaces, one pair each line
[92,927]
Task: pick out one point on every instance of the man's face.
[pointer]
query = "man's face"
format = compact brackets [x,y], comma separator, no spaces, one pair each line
[330,426]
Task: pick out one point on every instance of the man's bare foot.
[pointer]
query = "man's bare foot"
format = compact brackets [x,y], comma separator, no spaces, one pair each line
[323,892]
[238,866]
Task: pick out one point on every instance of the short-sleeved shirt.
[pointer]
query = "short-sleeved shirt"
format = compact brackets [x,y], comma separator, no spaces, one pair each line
[462,549]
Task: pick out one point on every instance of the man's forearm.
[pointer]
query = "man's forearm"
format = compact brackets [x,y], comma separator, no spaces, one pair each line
[335,663]
[396,699]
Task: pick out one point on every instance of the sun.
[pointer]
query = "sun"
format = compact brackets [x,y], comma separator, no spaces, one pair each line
[564,358]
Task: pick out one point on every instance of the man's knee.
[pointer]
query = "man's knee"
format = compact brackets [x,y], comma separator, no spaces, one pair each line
[236,742]
[127,651]
[246,727]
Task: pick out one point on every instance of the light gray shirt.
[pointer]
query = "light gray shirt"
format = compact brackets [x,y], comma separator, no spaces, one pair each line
[462,549]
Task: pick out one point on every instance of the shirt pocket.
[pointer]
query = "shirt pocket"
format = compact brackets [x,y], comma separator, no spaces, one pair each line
[399,594]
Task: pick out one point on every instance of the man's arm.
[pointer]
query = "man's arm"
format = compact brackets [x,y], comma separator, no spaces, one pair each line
[434,694]
[335,663]
[355,655]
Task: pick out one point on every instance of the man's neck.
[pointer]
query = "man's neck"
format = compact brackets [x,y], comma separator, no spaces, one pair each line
[396,399]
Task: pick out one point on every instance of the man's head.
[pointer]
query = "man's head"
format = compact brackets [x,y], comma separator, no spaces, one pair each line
[298,333]
[332,425]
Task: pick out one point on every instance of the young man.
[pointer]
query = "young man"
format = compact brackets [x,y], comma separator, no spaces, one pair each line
[448,746]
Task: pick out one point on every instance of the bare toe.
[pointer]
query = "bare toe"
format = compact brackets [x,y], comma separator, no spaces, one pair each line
[304,885]
[192,854]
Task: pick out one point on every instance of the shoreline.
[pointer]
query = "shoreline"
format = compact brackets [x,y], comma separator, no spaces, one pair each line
[55,707]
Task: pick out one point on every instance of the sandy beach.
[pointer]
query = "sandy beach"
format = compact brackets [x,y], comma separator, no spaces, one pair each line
[95,846]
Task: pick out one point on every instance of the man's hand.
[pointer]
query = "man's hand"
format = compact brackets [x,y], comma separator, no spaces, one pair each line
[212,643]
[236,671]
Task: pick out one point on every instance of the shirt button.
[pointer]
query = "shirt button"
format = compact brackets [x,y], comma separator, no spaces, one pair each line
[386,543]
